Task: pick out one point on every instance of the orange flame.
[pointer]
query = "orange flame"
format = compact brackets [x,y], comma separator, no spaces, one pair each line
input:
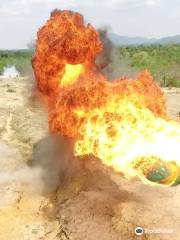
[63,40]
[123,122]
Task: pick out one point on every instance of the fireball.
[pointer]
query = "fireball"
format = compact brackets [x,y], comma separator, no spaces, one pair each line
[124,123]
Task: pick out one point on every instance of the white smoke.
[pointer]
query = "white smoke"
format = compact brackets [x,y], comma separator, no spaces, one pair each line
[16,174]
[10,71]
[51,163]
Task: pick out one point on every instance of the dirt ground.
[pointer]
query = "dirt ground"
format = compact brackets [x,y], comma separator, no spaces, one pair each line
[95,204]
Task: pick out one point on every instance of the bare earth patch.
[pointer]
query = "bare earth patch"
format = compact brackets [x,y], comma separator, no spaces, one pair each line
[95,204]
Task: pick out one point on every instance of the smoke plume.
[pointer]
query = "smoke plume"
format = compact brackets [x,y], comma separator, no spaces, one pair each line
[111,60]
[47,169]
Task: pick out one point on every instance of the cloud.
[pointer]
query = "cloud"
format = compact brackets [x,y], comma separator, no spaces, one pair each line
[18,7]
[51,2]
[152,2]
[119,3]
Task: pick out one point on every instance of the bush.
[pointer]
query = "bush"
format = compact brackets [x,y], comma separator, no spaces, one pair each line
[171,81]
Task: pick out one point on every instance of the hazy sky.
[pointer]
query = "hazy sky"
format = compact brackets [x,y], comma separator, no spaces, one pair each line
[20,19]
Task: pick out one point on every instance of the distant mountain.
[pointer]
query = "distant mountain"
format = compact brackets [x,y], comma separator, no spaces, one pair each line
[169,40]
[126,41]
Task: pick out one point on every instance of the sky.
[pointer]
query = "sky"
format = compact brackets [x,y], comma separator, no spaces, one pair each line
[21,19]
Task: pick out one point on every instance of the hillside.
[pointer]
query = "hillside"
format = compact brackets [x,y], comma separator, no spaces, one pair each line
[125,40]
